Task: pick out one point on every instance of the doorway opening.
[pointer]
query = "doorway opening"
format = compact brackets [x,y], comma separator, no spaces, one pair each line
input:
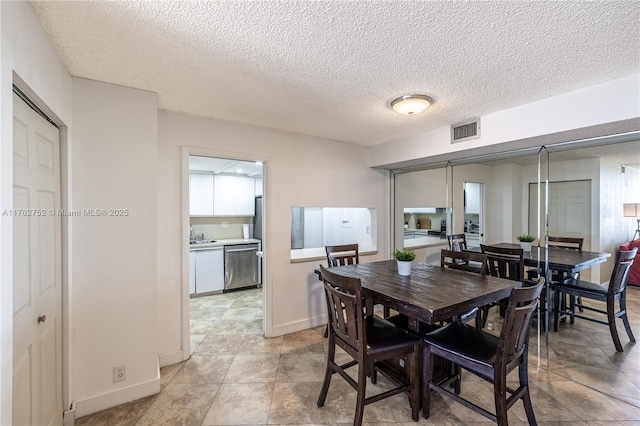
[225,251]
[473,213]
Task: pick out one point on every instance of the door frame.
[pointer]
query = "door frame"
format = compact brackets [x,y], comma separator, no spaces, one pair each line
[267,292]
[65,232]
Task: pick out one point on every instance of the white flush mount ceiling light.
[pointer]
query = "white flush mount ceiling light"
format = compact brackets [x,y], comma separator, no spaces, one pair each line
[411,104]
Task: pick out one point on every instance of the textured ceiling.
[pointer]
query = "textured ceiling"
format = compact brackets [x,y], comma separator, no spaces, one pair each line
[331,68]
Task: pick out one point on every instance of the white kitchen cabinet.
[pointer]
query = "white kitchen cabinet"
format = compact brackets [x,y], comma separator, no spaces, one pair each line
[233,196]
[472,198]
[200,194]
[209,268]
[192,272]
[257,187]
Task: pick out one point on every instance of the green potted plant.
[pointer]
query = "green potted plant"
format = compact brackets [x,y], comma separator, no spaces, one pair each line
[404,259]
[525,241]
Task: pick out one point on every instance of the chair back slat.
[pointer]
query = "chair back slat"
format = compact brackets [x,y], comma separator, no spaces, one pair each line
[340,255]
[462,260]
[345,307]
[566,243]
[457,242]
[624,260]
[517,320]
[504,262]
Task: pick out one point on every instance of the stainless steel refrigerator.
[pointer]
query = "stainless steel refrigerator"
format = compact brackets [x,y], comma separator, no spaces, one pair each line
[257,220]
[257,234]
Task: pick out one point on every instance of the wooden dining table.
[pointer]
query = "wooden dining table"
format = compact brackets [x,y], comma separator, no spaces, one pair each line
[569,261]
[430,294]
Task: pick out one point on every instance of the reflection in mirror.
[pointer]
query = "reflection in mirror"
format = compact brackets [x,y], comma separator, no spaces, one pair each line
[316,227]
[588,187]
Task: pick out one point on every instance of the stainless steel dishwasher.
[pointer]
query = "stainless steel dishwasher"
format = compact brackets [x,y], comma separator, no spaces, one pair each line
[240,266]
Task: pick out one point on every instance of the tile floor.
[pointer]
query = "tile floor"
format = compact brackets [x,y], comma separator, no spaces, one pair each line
[235,377]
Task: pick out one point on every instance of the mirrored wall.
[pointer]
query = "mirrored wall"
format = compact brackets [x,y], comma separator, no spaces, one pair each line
[562,192]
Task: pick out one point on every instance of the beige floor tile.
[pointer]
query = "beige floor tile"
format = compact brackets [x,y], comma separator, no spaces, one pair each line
[253,369]
[588,404]
[306,341]
[194,341]
[242,314]
[298,368]
[254,344]
[204,369]
[220,344]
[295,403]
[180,404]
[240,404]
[123,415]
[168,373]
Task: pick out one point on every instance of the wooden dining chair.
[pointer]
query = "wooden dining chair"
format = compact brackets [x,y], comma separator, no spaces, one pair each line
[369,340]
[616,290]
[490,357]
[340,255]
[505,263]
[470,262]
[457,242]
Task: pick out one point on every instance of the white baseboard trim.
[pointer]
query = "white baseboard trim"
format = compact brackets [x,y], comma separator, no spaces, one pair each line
[171,358]
[292,327]
[93,404]
[69,416]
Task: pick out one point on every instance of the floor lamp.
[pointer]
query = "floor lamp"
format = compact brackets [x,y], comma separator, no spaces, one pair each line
[632,210]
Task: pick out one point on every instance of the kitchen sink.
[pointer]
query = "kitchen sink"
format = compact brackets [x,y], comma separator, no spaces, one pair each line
[203,242]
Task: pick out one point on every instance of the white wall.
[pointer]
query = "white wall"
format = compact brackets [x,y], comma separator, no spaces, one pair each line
[616,188]
[114,293]
[608,102]
[27,52]
[300,171]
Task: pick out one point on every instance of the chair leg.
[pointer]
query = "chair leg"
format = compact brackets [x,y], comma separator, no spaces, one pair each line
[427,375]
[386,312]
[625,319]
[523,373]
[362,388]
[500,397]
[326,331]
[572,308]
[611,318]
[415,370]
[557,295]
[331,353]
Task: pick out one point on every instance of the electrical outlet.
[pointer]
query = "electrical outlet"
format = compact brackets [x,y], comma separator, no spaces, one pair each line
[119,373]
[225,224]
[367,230]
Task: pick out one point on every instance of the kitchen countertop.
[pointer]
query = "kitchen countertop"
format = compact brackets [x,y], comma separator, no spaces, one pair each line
[424,242]
[222,243]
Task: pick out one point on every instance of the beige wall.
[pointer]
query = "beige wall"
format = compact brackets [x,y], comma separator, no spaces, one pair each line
[114,261]
[299,171]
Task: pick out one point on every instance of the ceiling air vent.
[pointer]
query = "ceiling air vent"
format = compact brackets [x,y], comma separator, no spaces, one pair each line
[465,131]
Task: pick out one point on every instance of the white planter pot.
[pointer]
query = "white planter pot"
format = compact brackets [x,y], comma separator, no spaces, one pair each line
[525,246]
[404,267]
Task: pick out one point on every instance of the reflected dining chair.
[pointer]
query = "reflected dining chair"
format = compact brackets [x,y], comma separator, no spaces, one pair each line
[369,340]
[616,290]
[489,357]
[505,263]
[457,242]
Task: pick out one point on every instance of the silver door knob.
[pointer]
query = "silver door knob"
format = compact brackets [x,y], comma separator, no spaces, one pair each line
[42,318]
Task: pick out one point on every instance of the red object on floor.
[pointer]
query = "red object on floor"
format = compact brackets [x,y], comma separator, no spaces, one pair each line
[634,272]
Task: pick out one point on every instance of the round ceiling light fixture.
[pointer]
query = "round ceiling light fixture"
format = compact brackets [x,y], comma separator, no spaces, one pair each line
[411,104]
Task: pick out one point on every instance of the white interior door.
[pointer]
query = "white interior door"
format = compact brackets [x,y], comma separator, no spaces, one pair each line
[37,279]
[569,211]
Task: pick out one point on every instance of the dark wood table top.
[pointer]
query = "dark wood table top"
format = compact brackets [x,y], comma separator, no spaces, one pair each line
[431,293]
[570,261]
